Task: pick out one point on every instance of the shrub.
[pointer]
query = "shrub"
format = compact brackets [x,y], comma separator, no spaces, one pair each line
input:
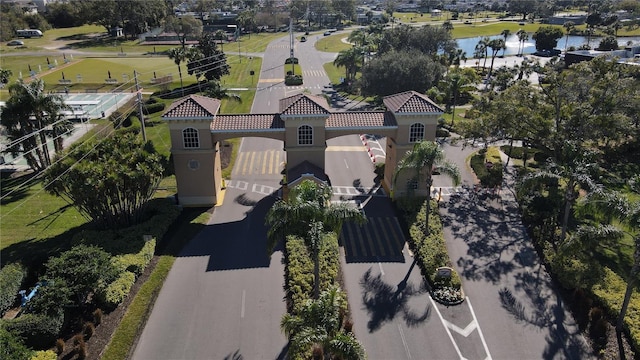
[291,60]
[88,330]
[442,133]
[80,347]
[153,108]
[12,347]
[59,346]
[44,355]
[136,263]
[489,177]
[38,331]
[118,290]
[78,339]
[97,316]
[292,80]
[11,277]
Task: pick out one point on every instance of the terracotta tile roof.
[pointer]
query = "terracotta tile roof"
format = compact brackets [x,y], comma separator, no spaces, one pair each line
[193,106]
[303,104]
[222,123]
[364,119]
[411,102]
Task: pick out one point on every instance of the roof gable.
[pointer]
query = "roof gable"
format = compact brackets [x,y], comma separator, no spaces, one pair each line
[193,107]
[303,104]
[411,102]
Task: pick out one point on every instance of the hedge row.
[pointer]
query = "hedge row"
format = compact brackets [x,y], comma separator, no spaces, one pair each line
[117,291]
[11,277]
[136,263]
[431,251]
[299,268]
[610,293]
[153,108]
[292,80]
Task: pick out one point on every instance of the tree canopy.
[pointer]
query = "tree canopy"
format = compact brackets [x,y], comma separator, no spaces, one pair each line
[546,37]
[207,60]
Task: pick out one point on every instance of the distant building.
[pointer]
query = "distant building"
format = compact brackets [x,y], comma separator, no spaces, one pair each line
[629,55]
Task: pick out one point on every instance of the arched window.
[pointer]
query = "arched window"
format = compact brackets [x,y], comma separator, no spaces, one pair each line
[190,138]
[305,135]
[416,132]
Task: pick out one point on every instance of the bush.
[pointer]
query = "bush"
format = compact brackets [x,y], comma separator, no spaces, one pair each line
[442,133]
[60,346]
[38,331]
[12,347]
[292,80]
[44,355]
[118,290]
[136,263]
[489,177]
[11,277]
[291,60]
[97,316]
[153,108]
[88,330]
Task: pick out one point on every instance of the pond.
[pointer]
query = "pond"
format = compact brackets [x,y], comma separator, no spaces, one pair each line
[468,44]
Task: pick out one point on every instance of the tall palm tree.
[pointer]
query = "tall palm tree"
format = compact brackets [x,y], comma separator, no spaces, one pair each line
[423,159]
[522,38]
[221,36]
[505,34]
[496,45]
[483,45]
[29,111]
[455,82]
[178,55]
[568,26]
[307,213]
[319,327]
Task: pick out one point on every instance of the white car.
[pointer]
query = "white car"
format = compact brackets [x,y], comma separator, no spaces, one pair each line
[15,43]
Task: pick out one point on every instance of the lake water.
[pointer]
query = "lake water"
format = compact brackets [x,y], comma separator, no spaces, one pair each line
[468,44]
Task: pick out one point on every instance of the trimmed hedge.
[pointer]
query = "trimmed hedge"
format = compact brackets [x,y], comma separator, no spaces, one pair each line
[291,80]
[153,108]
[488,177]
[118,290]
[38,331]
[11,277]
[299,268]
[610,293]
[44,355]
[136,263]
[431,251]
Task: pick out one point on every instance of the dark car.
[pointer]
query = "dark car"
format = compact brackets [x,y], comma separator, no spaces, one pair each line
[327,33]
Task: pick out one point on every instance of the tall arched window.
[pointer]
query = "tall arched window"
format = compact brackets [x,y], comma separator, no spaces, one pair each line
[305,135]
[416,132]
[190,138]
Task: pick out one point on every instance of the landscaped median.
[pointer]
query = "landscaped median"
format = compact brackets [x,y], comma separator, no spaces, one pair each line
[431,251]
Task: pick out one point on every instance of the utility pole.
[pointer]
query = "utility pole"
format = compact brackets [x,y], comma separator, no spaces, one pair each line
[139,91]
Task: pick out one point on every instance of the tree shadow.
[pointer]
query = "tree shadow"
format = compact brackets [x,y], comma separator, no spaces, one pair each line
[384,301]
[13,189]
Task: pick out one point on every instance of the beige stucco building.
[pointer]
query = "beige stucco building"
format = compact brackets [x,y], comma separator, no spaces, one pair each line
[304,123]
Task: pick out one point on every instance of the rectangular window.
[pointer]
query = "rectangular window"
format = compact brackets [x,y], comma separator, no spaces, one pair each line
[305,135]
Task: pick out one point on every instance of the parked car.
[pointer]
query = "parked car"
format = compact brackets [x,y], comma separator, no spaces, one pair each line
[303,39]
[327,33]
[15,43]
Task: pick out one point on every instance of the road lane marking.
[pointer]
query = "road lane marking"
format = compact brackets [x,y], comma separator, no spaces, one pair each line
[464,332]
[244,293]
[484,343]
[455,346]
[404,342]
[253,156]
[381,271]
[345,163]
[357,148]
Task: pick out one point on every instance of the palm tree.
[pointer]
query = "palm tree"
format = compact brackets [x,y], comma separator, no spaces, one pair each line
[319,326]
[627,214]
[426,157]
[307,213]
[568,26]
[483,45]
[221,36]
[496,45]
[178,55]
[455,82]
[505,34]
[351,59]
[29,111]
[522,38]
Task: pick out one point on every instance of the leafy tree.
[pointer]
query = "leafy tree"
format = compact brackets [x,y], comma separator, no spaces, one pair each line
[608,43]
[427,40]
[64,15]
[25,116]
[627,214]
[546,37]
[524,7]
[319,328]
[84,269]
[306,214]
[425,158]
[184,27]
[5,74]
[12,347]
[206,60]
[495,45]
[134,16]
[345,7]
[110,181]
[246,20]
[396,72]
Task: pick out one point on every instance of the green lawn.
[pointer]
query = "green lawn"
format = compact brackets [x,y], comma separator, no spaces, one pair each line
[332,43]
